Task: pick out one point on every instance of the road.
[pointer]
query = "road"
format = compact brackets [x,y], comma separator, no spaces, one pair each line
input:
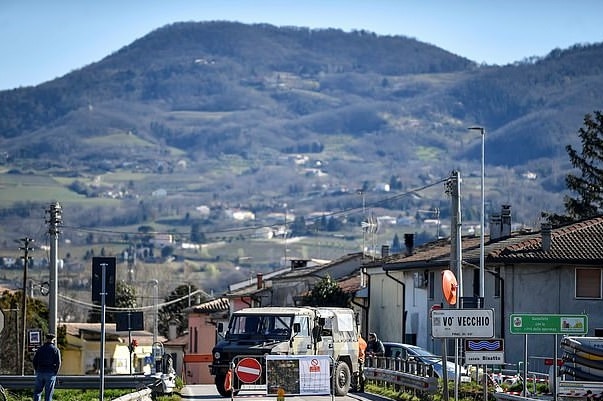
[208,392]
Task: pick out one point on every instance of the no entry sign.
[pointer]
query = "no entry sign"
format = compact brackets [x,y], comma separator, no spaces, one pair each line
[248,370]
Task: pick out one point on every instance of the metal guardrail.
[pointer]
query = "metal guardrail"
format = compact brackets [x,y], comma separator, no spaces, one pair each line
[83,382]
[412,374]
[423,383]
[513,397]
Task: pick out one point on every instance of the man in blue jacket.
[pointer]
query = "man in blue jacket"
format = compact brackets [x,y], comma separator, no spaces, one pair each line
[46,362]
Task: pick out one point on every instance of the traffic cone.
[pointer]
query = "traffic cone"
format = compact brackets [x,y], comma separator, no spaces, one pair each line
[228,381]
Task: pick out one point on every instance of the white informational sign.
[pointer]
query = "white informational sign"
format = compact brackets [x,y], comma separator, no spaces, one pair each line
[471,323]
[485,352]
[298,374]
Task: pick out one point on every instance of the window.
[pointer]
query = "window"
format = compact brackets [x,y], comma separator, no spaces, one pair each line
[304,325]
[431,285]
[588,283]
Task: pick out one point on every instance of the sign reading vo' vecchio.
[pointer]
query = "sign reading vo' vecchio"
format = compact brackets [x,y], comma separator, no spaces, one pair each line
[472,323]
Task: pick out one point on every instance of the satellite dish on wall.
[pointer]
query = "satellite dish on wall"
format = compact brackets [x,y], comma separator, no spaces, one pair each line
[449,286]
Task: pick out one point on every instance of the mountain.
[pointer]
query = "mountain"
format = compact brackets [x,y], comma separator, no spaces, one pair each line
[255,116]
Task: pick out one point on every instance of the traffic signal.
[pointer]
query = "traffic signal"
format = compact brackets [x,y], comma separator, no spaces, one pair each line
[133,345]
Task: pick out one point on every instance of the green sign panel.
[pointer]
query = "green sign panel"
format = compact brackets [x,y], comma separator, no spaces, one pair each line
[548,324]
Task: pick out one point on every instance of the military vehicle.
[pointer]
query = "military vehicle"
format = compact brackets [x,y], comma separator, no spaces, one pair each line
[291,331]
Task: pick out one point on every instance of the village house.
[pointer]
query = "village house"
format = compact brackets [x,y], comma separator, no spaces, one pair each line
[81,354]
[552,271]
[203,320]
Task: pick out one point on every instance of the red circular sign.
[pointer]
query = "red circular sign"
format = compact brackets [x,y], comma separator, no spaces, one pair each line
[248,370]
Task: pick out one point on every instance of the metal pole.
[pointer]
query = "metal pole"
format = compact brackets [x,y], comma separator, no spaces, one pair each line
[525,366]
[155,312]
[55,221]
[459,268]
[102,344]
[25,248]
[482,225]
[285,237]
[130,338]
[482,266]
[458,244]
[482,131]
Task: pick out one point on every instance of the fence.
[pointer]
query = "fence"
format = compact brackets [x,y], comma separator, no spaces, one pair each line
[409,374]
[416,375]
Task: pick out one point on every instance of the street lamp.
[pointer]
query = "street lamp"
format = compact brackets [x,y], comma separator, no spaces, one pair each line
[482,131]
[155,284]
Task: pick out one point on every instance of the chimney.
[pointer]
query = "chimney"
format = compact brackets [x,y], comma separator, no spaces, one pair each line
[495,226]
[409,241]
[298,263]
[384,251]
[545,230]
[505,217]
[259,280]
[172,329]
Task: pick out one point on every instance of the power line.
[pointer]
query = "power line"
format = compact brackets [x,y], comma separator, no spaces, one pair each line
[77,302]
[259,227]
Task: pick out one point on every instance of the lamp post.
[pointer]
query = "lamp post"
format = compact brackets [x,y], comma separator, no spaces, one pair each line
[482,131]
[285,236]
[155,284]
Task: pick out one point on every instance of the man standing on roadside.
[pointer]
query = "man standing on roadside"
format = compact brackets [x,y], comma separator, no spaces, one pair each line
[46,362]
[361,356]
[375,346]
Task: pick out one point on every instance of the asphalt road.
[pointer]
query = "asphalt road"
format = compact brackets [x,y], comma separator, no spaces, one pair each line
[208,392]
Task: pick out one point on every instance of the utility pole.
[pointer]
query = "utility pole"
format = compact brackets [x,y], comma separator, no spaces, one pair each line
[26,249]
[453,188]
[54,221]
[285,235]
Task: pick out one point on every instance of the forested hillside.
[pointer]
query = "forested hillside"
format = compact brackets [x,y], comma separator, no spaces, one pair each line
[258,116]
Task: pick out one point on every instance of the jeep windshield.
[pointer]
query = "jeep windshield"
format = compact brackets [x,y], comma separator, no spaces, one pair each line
[264,327]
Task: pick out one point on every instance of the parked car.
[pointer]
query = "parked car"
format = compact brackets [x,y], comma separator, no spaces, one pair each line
[407,351]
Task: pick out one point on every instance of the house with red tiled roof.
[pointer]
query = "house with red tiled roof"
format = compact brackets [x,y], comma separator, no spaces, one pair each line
[551,271]
[203,320]
[286,287]
[82,350]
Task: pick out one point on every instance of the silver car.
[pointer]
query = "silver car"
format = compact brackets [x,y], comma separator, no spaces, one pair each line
[407,351]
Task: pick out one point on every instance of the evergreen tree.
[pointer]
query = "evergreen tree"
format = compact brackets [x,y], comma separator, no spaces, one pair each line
[175,311]
[298,227]
[197,236]
[328,293]
[125,297]
[11,336]
[588,183]
[396,247]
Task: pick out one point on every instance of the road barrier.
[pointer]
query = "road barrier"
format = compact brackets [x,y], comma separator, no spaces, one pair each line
[404,373]
[83,382]
[141,395]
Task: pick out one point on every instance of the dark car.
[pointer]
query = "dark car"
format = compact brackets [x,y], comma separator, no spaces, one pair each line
[408,351]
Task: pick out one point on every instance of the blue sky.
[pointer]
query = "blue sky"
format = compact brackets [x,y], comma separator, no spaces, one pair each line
[45,39]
